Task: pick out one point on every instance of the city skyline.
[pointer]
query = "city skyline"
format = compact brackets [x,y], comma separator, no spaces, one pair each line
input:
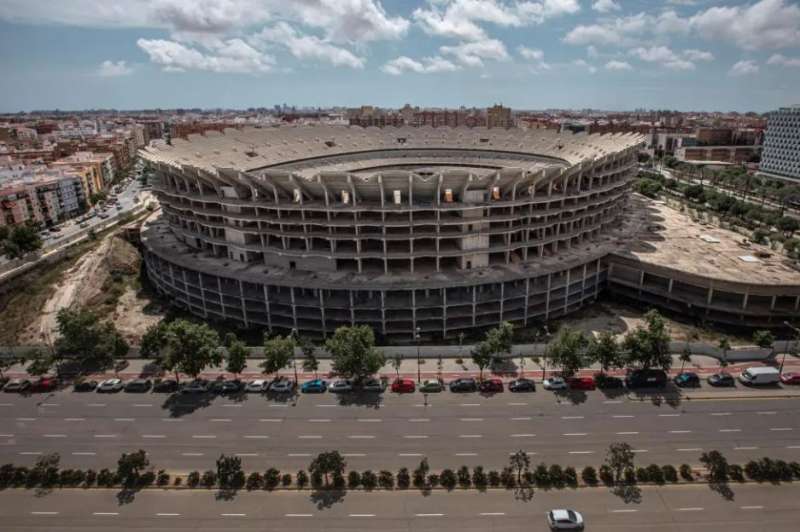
[571,54]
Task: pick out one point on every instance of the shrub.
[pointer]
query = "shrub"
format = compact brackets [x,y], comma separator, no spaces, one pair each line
[369,480]
[192,480]
[338,481]
[286,480]
[795,467]
[316,480]
[421,473]
[433,480]
[464,478]
[403,478]
[589,475]
[507,478]
[146,479]
[686,472]
[272,478]
[494,478]
[448,479]
[528,478]
[541,476]
[254,481]
[162,478]
[642,475]
[91,478]
[386,479]
[570,476]
[302,479]
[556,475]
[353,479]
[629,476]
[479,478]
[606,475]
[753,470]
[670,473]
[655,473]
[736,472]
[209,479]
[178,481]
[105,478]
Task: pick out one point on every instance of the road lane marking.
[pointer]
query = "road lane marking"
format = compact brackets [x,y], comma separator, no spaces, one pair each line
[298,515]
[690,449]
[44,513]
[361,515]
[310,437]
[409,454]
[220,420]
[470,404]
[243,455]
[639,451]
[575,434]
[369,420]
[26,419]
[756,507]
[492,514]
[105,435]
[96,405]
[354,455]
[730,430]
[418,420]
[6,435]
[84,453]
[793,446]
[105,513]
[6,404]
[581,452]
[471,419]
[126,419]
[611,402]
[766,413]
[171,419]
[622,416]
[669,415]
[691,509]
[470,436]
[256,436]
[745,448]
[54,435]
[279,406]
[50,404]
[626,511]
[74,419]
[233,515]
[154,436]
[528,418]
[362,437]
[517,404]
[167,515]
[571,417]
[721,414]
[428,515]
[465,454]
[232,406]
[415,436]
[30,453]
[299,455]
[204,436]
[142,405]
[777,429]
[630,433]
[523,435]
[326,406]
[192,454]
[270,420]
[680,431]
[319,420]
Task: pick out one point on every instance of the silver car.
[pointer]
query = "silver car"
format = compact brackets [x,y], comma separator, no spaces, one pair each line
[341,386]
[281,386]
[110,386]
[554,383]
[564,520]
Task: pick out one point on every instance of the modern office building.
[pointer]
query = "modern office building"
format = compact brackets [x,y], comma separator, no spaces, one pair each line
[781,155]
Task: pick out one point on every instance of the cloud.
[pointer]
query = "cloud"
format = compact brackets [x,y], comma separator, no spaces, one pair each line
[605,6]
[308,46]
[583,64]
[472,54]
[618,65]
[355,21]
[428,65]
[698,55]
[626,31]
[234,56]
[779,59]
[208,16]
[744,68]
[663,56]
[112,69]
[767,24]
[535,57]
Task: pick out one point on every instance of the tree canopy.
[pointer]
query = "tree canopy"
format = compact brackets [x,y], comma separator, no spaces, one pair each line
[327,463]
[190,348]
[605,351]
[567,351]
[353,352]
[20,241]
[236,359]
[83,337]
[278,352]
[619,458]
[648,346]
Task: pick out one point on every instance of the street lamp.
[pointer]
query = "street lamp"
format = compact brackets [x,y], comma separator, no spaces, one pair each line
[294,357]
[419,369]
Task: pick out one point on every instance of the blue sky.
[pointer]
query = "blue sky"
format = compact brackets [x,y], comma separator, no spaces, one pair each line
[529,54]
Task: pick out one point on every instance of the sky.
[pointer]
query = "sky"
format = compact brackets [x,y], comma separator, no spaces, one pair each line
[712,55]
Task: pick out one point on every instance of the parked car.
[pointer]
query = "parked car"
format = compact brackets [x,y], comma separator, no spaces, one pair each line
[491,385]
[522,385]
[84,386]
[110,386]
[581,383]
[165,386]
[374,385]
[17,386]
[44,384]
[608,382]
[138,386]
[721,379]
[431,386]
[564,520]
[256,386]
[760,376]
[687,379]
[281,385]
[554,383]
[341,386]
[403,386]
[197,386]
[464,384]
[790,378]
[646,378]
[315,386]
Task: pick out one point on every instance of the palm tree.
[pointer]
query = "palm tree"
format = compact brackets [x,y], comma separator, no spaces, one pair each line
[725,346]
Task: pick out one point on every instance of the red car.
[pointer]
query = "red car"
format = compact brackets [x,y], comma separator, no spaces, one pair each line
[44,384]
[790,378]
[491,385]
[581,383]
[403,386]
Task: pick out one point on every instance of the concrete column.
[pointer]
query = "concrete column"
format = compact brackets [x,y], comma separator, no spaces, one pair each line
[641,281]
[796,303]
[221,297]
[444,312]
[474,305]
[202,292]
[746,297]
[413,312]
[597,279]
[772,303]
[669,287]
[244,306]
[547,300]
[322,312]
[502,299]
[527,297]
[352,308]
[710,295]
[566,292]
[294,308]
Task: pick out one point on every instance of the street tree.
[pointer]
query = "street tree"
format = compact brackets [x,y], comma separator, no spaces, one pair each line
[153,340]
[190,348]
[228,469]
[724,346]
[716,464]
[648,346]
[482,355]
[500,339]
[605,351]
[236,359]
[278,353]
[685,357]
[327,463]
[397,362]
[619,458]
[353,352]
[20,241]
[567,351]
[764,338]
[39,363]
[521,462]
[310,361]
[131,465]
[87,340]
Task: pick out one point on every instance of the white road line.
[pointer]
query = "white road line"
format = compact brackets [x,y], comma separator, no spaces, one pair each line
[669,415]
[319,420]
[409,454]
[418,420]
[220,420]
[521,418]
[575,434]
[126,419]
[270,420]
[105,513]
[639,451]
[470,404]
[232,406]
[362,437]
[30,453]
[167,515]
[571,417]
[26,419]
[84,453]
[626,511]
[172,420]
[491,514]
[354,455]
[299,515]
[154,436]
[256,436]
[428,515]
[465,454]
[6,435]
[54,435]
[721,414]
[298,455]
[470,419]
[310,437]
[105,435]
[690,509]
[233,515]
[611,402]
[581,452]
[680,431]
[523,435]
[776,429]
[279,406]
[630,433]
[74,419]
[730,430]
[243,455]
[369,420]
[752,507]
[50,404]
[142,405]
[192,454]
[415,436]
[517,404]
[327,406]
[622,416]
[361,515]
[96,405]
[470,436]
[793,446]
[204,436]
[691,449]
[745,448]
[766,413]
[44,513]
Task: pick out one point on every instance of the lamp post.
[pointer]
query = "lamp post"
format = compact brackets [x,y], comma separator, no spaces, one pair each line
[419,367]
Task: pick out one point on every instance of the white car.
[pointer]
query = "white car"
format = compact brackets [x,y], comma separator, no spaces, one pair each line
[373,385]
[554,383]
[341,386]
[256,386]
[110,385]
[281,386]
[564,520]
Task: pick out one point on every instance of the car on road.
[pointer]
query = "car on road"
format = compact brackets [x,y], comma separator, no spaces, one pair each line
[374,385]
[226,386]
[491,385]
[464,384]
[196,386]
[282,385]
[554,383]
[341,386]
[646,378]
[431,386]
[522,385]
[581,383]
[138,386]
[44,384]
[256,386]
[687,379]
[564,519]
[110,386]
[608,382]
[17,386]
[721,379]
[166,386]
[790,378]
[760,376]
[403,386]
[314,386]
[84,386]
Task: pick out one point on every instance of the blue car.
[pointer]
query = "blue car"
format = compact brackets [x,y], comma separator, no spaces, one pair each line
[687,379]
[315,386]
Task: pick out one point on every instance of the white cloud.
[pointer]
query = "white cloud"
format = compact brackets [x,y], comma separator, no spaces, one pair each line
[624,31]
[698,55]
[308,46]
[744,68]
[428,65]
[663,56]
[583,64]
[346,20]
[233,55]
[618,65]
[767,24]
[535,56]
[472,54]
[779,59]
[606,6]
[112,69]
[208,16]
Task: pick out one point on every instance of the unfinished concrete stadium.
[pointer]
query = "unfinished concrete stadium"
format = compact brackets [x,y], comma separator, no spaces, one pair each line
[423,232]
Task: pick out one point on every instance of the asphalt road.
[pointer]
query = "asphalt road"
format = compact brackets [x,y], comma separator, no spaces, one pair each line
[666,509]
[186,433]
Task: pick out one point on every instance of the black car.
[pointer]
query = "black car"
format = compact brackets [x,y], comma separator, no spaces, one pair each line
[522,385]
[608,382]
[722,379]
[85,386]
[224,386]
[646,378]
[687,379]
[464,385]
[138,386]
[165,386]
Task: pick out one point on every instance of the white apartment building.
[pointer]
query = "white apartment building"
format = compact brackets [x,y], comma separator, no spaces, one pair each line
[781,155]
